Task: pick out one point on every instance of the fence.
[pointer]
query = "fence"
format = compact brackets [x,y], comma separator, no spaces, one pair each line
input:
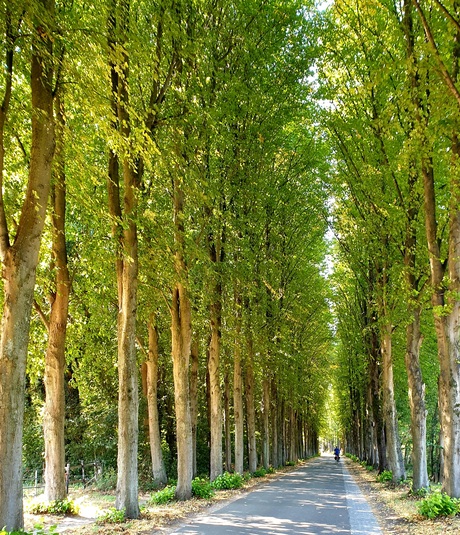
[81,474]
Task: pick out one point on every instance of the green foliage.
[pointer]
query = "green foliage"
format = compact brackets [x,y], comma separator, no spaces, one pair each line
[260,472]
[352,457]
[108,480]
[112,516]
[420,493]
[438,504]
[385,477]
[290,463]
[367,466]
[202,488]
[228,481]
[166,495]
[56,507]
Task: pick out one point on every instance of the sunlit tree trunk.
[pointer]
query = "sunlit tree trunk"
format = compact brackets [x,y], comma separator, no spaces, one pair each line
[125,236]
[54,411]
[445,300]
[181,328]
[19,261]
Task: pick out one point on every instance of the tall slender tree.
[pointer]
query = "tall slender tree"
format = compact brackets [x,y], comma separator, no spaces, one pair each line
[19,254]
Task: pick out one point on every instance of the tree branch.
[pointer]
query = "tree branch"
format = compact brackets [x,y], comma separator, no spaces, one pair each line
[448,14]
[429,35]
[42,315]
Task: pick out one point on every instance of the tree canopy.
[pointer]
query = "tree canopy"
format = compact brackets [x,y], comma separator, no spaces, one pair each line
[249,251]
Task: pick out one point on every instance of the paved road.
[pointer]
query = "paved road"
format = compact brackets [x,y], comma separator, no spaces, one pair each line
[318,498]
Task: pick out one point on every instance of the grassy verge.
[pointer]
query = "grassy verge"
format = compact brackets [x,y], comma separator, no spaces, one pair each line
[396,509]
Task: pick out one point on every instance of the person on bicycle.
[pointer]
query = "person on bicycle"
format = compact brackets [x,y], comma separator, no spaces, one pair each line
[337,452]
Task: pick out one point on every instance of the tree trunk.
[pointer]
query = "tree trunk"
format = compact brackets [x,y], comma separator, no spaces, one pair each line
[125,235]
[266,421]
[275,424]
[445,301]
[181,329]
[128,399]
[292,435]
[417,404]
[238,394]
[250,408]
[158,467]
[54,412]
[413,335]
[227,427]
[194,399]
[214,384]
[393,446]
[181,342]
[19,263]
[377,423]
[447,321]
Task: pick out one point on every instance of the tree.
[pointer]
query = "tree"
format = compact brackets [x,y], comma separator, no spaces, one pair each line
[19,254]
[125,234]
[54,417]
[445,274]
[158,468]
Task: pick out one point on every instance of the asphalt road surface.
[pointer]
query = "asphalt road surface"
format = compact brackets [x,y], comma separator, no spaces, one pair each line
[317,498]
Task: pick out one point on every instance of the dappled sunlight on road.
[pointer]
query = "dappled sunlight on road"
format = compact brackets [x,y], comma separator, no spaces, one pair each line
[310,501]
[266,525]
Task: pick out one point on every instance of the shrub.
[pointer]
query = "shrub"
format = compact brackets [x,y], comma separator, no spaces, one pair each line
[163,496]
[56,507]
[290,463]
[202,488]
[438,504]
[112,516]
[385,477]
[228,481]
[260,472]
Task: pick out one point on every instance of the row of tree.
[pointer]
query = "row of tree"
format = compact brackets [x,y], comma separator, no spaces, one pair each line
[161,195]
[391,106]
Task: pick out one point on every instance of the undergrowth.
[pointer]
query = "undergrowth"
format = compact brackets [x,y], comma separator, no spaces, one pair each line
[56,507]
[438,504]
